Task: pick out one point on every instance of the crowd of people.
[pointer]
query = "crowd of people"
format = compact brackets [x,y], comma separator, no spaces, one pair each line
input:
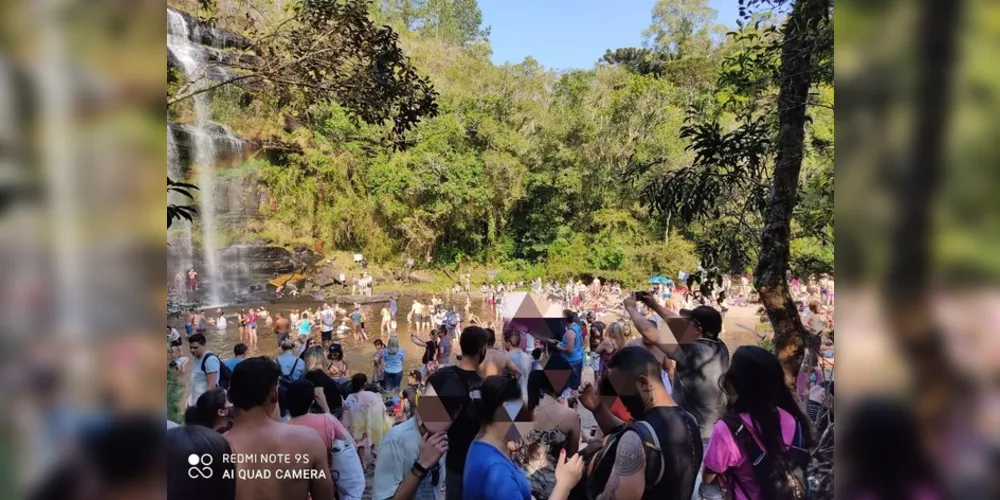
[494,411]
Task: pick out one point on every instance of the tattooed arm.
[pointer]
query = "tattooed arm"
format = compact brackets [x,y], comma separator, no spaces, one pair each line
[628,479]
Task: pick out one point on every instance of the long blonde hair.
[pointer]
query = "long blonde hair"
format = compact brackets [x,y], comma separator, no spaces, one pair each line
[615,334]
[315,359]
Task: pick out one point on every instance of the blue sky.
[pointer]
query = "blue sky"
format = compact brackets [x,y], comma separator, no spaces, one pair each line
[564,34]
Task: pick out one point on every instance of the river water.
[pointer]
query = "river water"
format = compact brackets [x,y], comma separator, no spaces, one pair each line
[358,355]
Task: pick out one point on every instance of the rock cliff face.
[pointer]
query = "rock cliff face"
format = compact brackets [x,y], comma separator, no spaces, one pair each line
[223,52]
[210,36]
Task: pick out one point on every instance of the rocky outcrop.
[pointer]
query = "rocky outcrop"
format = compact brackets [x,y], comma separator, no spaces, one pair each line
[260,262]
[227,146]
[212,36]
[305,258]
[326,276]
[420,277]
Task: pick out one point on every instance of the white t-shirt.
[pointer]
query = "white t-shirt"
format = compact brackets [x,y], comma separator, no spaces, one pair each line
[326,320]
[199,379]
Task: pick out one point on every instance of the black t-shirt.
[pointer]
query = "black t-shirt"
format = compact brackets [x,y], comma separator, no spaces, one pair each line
[429,351]
[700,365]
[682,449]
[452,385]
[334,396]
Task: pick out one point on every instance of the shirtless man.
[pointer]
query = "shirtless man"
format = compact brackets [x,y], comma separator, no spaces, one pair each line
[497,360]
[256,432]
[281,327]
[193,279]
[416,315]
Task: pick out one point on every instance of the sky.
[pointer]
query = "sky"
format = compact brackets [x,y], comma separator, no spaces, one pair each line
[567,34]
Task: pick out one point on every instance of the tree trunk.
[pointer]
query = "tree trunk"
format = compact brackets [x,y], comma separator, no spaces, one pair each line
[795,78]
[909,312]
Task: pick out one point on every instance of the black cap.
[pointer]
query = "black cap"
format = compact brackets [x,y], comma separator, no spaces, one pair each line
[336,348]
[707,318]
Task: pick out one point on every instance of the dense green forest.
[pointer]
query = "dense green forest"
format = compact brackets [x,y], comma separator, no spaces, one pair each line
[653,159]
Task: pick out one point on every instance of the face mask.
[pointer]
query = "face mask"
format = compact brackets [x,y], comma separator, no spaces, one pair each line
[828,353]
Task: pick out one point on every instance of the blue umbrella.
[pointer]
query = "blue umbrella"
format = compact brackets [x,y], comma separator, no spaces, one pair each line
[659,279]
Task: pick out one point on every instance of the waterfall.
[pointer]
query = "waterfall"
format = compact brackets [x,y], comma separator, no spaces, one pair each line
[180,44]
[179,236]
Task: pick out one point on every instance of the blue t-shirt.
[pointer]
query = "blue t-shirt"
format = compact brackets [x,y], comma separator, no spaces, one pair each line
[305,326]
[489,475]
[356,316]
[231,363]
[393,308]
[394,362]
[577,354]
[291,366]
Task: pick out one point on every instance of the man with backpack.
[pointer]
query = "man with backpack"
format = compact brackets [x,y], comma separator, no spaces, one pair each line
[207,371]
[292,368]
[656,455]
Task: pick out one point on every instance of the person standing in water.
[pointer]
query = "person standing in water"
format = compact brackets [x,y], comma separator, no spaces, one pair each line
[326,319]
[192,280]
[192,318]
[281,328]
[251,319]
[416,316]
[241,321]
[220,322]
[201,324]
[305,329]
[386,318]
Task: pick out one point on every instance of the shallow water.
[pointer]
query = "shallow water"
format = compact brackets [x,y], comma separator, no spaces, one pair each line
[357,354]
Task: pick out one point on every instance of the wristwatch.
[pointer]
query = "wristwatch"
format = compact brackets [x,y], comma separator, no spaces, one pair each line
[419,470]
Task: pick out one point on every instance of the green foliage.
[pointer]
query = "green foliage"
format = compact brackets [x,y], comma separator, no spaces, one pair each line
[175,393]
[180,212]
[523,170]
[681,27]
[720,197]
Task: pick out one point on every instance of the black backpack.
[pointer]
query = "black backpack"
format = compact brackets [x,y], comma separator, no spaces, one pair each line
[283,382]
[600,465]
[225,374]
[781,477]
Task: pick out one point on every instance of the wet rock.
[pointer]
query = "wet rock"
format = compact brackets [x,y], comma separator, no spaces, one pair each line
[227,146]
[212,36]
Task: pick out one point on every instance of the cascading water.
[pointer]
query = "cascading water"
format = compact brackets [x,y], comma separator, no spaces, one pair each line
[186,51]
[179,236]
